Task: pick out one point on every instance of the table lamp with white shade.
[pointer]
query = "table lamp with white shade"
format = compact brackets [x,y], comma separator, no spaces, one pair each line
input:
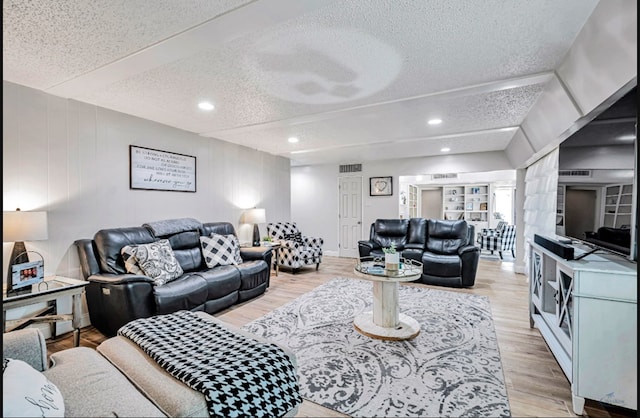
[255,216]
[20,226]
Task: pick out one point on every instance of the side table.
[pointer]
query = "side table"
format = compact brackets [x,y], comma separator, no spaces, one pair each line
[274,246]
[47,291]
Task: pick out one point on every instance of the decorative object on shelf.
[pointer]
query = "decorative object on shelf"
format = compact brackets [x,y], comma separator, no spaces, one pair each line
[19,226]
[255,216]
[380,186]
[391,258]
[152,169]
[483,206]
[470,206]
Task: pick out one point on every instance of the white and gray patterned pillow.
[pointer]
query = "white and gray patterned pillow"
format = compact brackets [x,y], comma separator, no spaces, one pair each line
[220,250]
[130,261]
[157,261]
[26,392]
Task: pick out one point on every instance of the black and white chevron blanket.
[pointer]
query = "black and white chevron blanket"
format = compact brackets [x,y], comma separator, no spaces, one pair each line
[238,376]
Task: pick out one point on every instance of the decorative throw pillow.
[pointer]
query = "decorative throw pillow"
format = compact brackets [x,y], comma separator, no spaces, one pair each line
[297,237]
[157,261]
[28,393]
[220,250]
[130,261]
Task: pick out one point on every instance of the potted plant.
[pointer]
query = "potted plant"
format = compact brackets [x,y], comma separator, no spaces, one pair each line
[391,258]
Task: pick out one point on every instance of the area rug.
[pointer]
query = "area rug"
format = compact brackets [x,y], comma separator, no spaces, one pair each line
[452,368]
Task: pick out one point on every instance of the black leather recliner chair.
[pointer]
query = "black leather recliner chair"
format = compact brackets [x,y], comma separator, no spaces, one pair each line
[450,257]
[444,247]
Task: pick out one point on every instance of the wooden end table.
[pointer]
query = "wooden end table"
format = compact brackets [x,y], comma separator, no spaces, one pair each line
[47,291]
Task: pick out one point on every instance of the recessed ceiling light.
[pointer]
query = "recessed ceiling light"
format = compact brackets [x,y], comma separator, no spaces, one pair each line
[435,121]
[293,140]
[206,106]
[445,149]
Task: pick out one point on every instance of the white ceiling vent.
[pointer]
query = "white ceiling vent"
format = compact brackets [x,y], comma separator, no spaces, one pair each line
[444,176]
[350,168]
[574,173]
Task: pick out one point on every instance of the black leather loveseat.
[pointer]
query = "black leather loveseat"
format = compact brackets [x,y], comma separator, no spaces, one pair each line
[115,297]
[616,239]
[444,247]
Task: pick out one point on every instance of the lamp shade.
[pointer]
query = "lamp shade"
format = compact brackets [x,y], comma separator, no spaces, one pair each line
[20,226]
[255,216]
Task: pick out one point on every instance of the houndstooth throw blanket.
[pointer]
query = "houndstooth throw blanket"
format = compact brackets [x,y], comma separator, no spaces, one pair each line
[238,376]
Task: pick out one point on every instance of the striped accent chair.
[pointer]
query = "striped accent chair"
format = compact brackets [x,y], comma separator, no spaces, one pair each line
[502,238]
[296,250]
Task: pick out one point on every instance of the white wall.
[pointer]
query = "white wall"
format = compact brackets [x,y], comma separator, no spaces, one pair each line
[71,159]
[314,189]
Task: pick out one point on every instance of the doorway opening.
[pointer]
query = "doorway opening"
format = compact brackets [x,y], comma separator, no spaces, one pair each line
[504,204]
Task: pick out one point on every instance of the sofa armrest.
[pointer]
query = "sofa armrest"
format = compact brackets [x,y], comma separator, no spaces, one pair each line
[468,249]
[287,243]
[114,279]
[470,255]
[87,257]
[312,241]
[28,345]
[255,253]
[365,247]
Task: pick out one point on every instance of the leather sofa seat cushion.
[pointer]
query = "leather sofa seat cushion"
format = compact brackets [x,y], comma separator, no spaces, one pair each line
[220,280]
[109,242]
[446,237]
[253,274]
[442,265]
[187,292]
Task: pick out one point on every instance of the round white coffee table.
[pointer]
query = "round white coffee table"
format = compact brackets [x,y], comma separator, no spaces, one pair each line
[386,322]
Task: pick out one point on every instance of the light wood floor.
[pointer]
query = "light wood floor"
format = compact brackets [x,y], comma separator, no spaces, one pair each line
[535,383]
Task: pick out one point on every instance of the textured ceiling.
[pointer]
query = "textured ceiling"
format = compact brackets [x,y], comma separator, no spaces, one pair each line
[353,80]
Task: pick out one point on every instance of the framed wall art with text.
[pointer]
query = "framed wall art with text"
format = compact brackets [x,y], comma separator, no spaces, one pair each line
[152,169]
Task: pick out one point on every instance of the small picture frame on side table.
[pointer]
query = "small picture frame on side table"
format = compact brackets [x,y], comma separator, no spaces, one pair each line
[381,186]
[26,274]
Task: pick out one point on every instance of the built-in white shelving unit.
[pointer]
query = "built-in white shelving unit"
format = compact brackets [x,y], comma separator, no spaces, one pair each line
[562,191]
[586,310]
[469,202]
[414,210]
[617,205]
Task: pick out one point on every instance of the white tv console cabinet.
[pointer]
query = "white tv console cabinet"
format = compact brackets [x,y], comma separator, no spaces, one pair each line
[586,310]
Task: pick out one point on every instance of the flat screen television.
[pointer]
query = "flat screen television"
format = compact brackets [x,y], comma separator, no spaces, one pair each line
[597,190]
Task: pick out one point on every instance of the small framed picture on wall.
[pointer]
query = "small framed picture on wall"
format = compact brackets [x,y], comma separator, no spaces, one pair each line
[380,186]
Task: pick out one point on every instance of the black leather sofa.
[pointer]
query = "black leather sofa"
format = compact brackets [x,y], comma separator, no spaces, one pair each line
[115,297]
[616,239]
[444,247]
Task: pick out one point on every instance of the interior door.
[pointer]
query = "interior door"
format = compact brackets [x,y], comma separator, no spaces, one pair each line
[431,204]
[350,223]
[580,212]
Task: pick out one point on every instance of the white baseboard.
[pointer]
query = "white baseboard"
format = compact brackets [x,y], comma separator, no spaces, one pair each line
[332,253]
